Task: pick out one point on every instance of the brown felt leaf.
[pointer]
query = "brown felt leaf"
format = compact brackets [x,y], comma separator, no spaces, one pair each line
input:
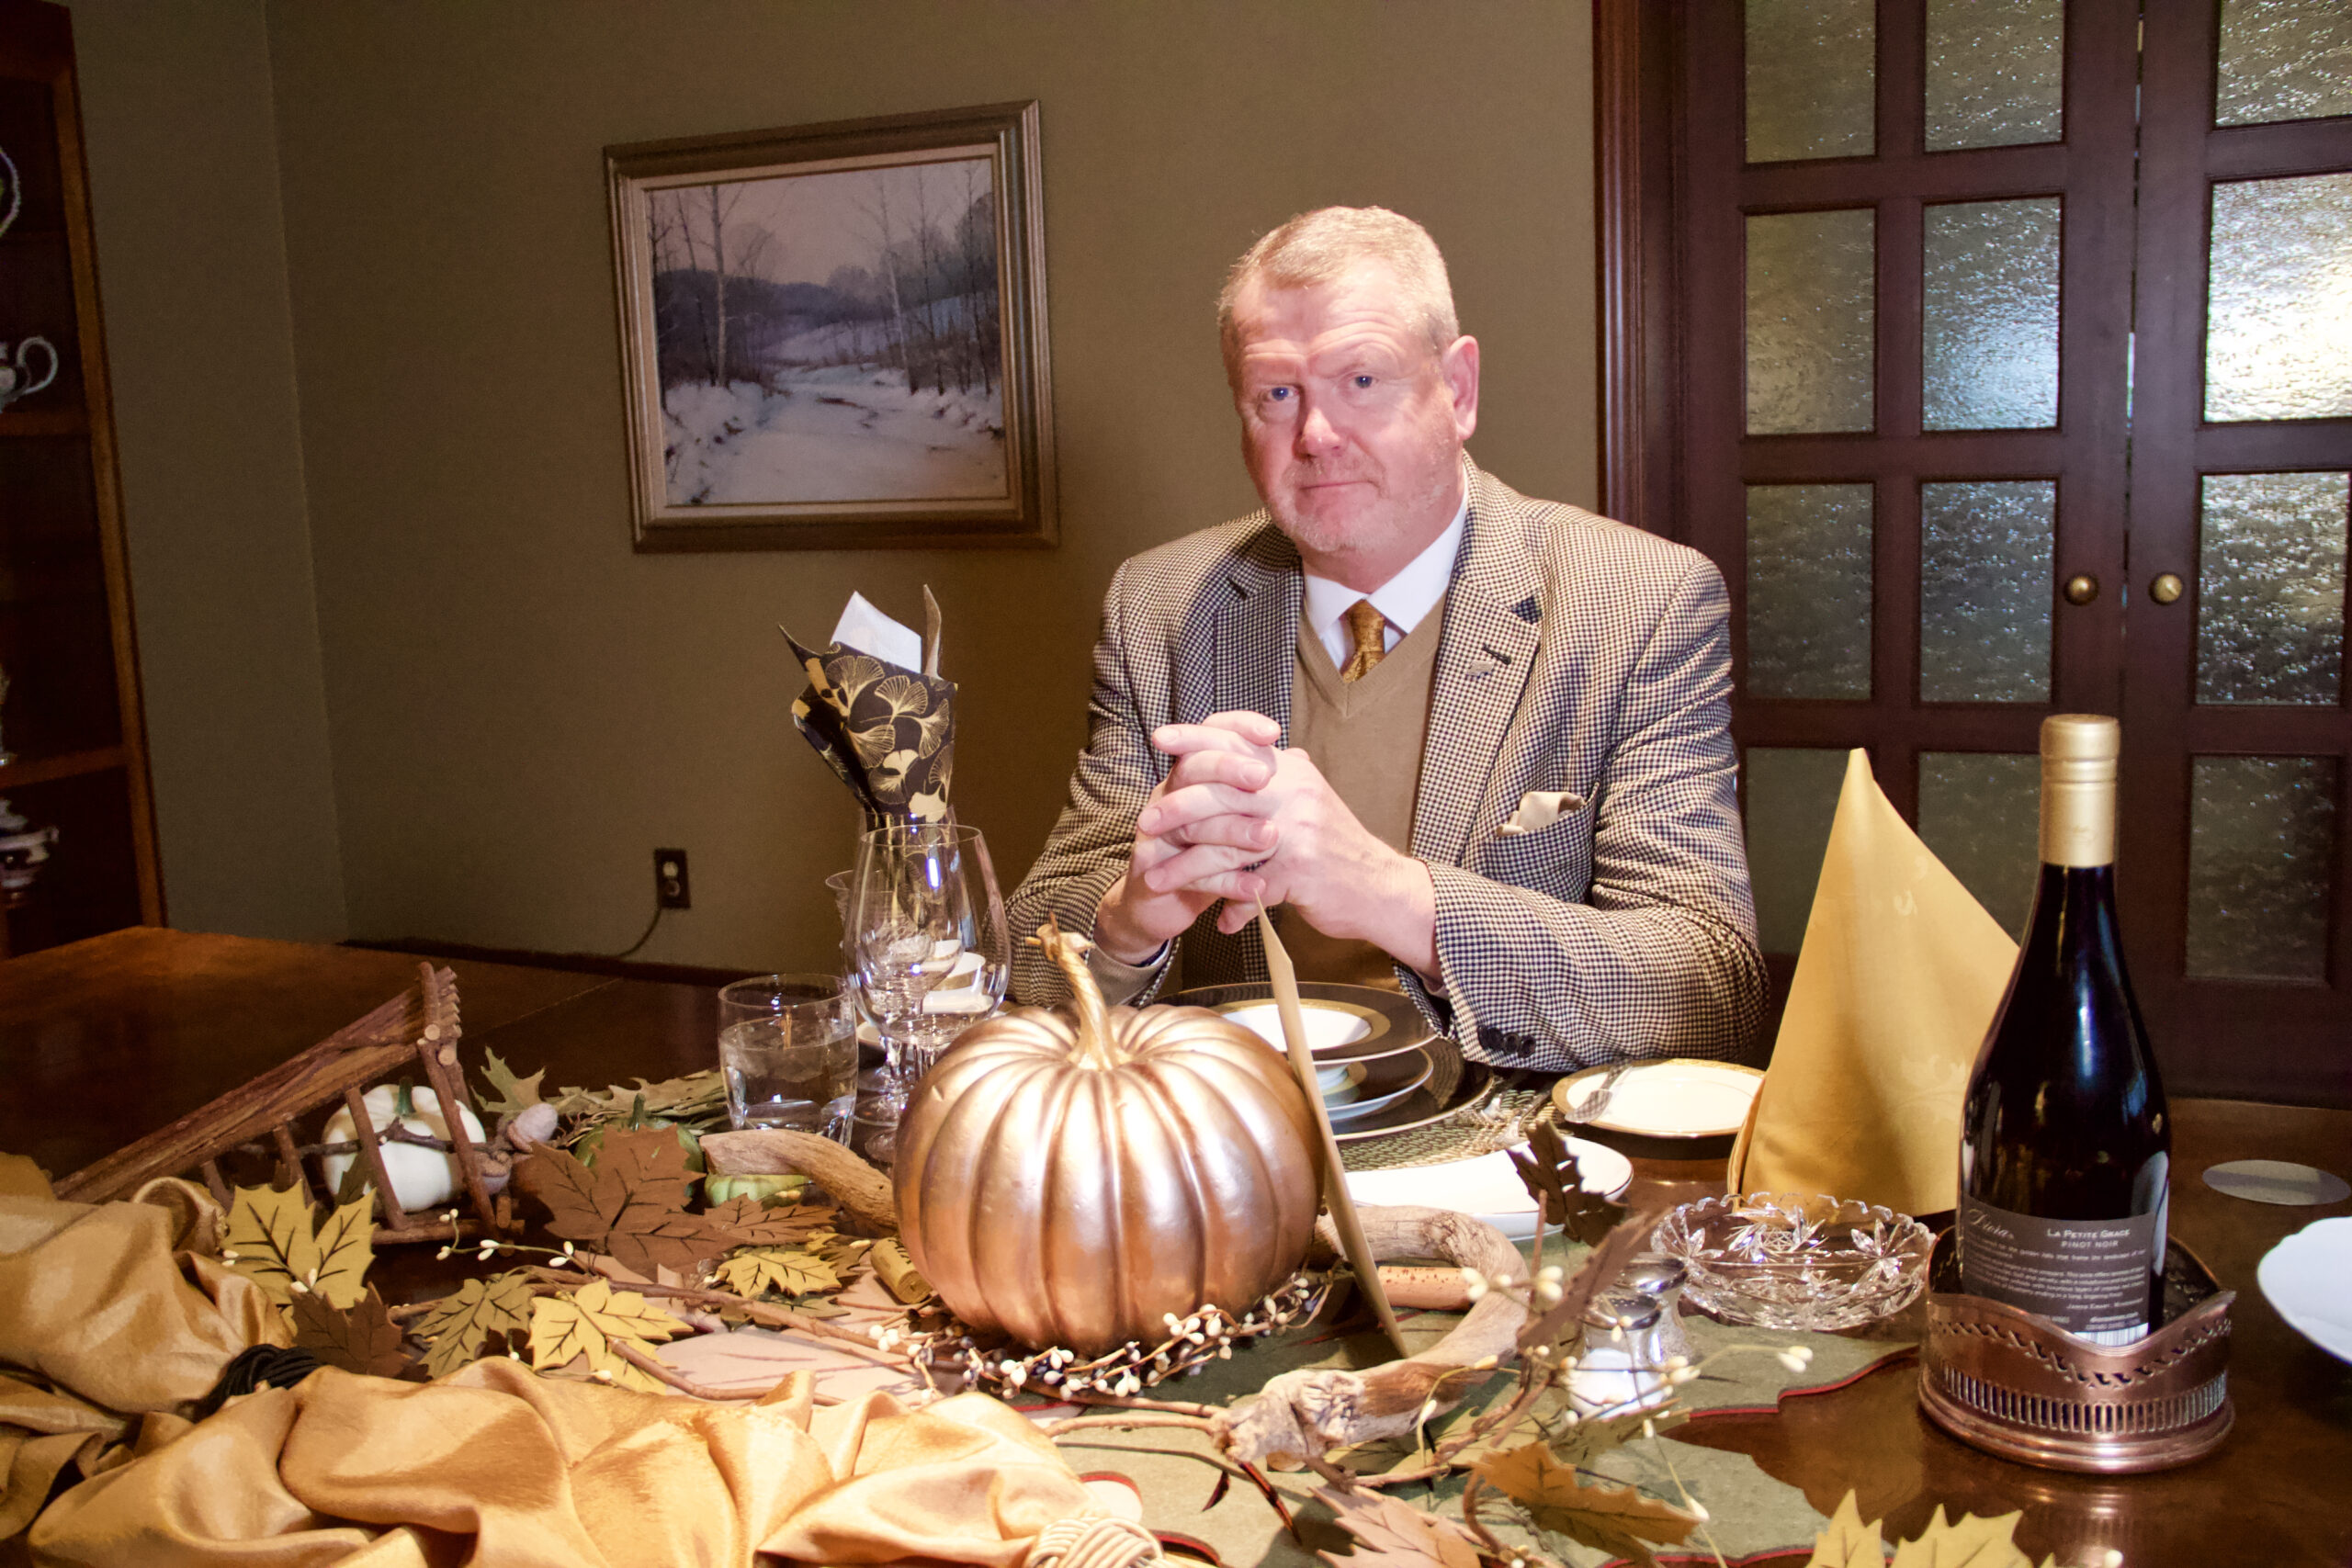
[361,1338]
[1848,1542]
[459,1328]
[289,1249]
[749,1223]
[1391,1533]
[1549,1169]
[631,1206]
[1592,1513]
[1971,1542]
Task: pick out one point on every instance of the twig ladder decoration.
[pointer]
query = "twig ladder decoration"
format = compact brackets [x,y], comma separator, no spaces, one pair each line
[418,1026]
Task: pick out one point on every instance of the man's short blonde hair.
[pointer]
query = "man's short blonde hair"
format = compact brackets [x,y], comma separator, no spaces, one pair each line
[1319,247]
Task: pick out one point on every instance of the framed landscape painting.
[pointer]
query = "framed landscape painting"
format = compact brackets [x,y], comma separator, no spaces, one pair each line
[833,336]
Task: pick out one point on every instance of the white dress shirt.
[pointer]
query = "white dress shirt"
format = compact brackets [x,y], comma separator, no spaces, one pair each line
[1404,601]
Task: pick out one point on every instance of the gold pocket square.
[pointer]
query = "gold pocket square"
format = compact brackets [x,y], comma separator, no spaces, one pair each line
[1538,810]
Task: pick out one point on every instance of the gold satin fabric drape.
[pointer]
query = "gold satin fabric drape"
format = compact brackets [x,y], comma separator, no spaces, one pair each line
[114,1317]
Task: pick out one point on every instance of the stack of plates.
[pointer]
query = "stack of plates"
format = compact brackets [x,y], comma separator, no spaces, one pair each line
[1377,1065]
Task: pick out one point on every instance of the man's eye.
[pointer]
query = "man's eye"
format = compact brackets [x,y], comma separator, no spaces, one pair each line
[1278,394]
[1361,381]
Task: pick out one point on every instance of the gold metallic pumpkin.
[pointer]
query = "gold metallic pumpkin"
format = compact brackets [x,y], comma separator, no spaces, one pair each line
[1070,1176]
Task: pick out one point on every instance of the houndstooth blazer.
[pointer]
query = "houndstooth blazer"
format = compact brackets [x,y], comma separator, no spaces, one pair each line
[1577,655]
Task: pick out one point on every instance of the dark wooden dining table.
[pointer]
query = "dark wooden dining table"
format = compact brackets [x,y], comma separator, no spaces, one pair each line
[107,1039]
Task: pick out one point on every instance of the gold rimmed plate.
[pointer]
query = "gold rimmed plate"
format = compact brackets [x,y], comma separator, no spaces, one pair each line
[1344,1024]
[1681,1107]
[1378,1084]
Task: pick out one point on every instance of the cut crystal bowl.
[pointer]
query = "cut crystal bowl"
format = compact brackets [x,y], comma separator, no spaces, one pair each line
[1782,1260]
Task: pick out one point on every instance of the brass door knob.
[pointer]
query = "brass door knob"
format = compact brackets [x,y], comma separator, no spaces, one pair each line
[2081,587]
[2166,588]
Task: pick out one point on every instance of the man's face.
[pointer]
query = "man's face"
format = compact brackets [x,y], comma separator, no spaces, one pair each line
[1351,427]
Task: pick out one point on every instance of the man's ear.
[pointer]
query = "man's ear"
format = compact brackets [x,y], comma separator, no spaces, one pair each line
[1459,367]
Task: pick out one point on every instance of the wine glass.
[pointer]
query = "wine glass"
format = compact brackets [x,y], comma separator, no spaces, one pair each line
[926,946]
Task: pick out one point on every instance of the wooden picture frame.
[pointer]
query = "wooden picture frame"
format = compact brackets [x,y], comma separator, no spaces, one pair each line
[833,336]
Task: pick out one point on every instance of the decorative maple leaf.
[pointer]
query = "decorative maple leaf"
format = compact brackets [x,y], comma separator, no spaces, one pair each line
[677,1097]
[588,1322]
[1848,1542]
[362,1338]
[1549,1169]
[631,1206]
[277,1240]
[459,1326]
[1971,1542]
[1618,1519]
[1391,1533]
[756,1270]
[749,1223]
[513,1094]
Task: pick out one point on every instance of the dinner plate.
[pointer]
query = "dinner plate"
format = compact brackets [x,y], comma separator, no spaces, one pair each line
[1489,1187]
[1379,1084]
[2303,1278]
[1678,1097]
[1454,1086]
[1344,1024]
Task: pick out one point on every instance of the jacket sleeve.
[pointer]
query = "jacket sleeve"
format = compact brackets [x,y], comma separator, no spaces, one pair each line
[1661,958]
[1094,836]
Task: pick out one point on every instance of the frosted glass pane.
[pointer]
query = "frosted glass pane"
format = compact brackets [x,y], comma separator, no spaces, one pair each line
[1980,812]
[2283,60]
[1809,591]
[1985,571]
[2278,307]
[2270,589]
[2261,856]
[1812,310]
[1996,73]
[1792,800]
[1989,322]
[1812,79]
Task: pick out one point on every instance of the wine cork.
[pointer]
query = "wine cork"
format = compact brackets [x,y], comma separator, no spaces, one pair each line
[2078,753]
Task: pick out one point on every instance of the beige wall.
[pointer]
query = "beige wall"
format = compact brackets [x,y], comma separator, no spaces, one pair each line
[520,707]
[183,155]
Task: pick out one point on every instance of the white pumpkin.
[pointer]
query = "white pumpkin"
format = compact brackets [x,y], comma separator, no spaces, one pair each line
[422,1179]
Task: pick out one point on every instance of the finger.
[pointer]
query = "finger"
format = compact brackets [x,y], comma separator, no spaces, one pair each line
[1248,724]
[1217,766]
[1181,740]
[1187,871]
[1255,834]
[1197,803]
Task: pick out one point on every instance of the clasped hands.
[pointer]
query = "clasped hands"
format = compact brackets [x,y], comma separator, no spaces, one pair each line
[1240,819]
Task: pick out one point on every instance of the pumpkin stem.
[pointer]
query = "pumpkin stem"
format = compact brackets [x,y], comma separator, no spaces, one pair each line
[1067,950]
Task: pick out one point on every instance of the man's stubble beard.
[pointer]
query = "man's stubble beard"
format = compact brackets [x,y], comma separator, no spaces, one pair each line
[1390,520]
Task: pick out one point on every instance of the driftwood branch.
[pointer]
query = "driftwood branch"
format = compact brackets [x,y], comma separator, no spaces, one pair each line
[1302,1414]
[864,1192]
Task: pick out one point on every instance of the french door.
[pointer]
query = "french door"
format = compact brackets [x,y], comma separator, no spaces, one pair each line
[2001,355]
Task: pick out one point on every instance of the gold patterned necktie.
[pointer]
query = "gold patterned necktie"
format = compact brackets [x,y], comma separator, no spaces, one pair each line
[1369,628]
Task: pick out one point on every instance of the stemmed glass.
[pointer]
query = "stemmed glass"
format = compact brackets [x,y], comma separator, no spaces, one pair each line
[925,945]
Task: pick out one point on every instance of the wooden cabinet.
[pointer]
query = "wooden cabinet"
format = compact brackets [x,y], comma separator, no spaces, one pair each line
[71,720]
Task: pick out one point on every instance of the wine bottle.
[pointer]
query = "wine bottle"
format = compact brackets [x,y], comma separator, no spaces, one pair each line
[2065,1145]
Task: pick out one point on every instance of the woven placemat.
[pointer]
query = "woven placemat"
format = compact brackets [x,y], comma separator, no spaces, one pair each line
[1517,1101]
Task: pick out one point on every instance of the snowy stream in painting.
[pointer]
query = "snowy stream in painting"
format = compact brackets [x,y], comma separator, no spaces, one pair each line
[843,433]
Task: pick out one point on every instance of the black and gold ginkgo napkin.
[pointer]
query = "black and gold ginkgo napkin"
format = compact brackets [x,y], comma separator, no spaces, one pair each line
[888,730]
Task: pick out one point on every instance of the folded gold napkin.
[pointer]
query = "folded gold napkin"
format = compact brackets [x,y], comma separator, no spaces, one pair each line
[1895,986]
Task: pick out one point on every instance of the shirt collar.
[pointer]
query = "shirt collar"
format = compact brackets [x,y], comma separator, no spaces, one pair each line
[1403,600]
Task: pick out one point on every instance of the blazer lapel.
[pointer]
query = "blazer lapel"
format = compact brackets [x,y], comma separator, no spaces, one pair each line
[1493,626]
[1257,630]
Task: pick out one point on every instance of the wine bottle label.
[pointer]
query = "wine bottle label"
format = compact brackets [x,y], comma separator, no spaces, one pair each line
[2089,1277]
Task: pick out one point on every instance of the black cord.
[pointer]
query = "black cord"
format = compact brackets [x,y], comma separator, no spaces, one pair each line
[631,950]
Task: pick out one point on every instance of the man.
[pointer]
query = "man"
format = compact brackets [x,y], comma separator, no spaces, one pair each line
[1468,742]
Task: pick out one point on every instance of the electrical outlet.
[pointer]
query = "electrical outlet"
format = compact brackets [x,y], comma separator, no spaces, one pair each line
[670,888]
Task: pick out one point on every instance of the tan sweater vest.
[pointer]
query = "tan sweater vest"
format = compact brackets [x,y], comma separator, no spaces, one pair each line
[1366,737]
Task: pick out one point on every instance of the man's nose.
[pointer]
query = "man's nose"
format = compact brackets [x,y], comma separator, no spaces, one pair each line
[1314,435]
